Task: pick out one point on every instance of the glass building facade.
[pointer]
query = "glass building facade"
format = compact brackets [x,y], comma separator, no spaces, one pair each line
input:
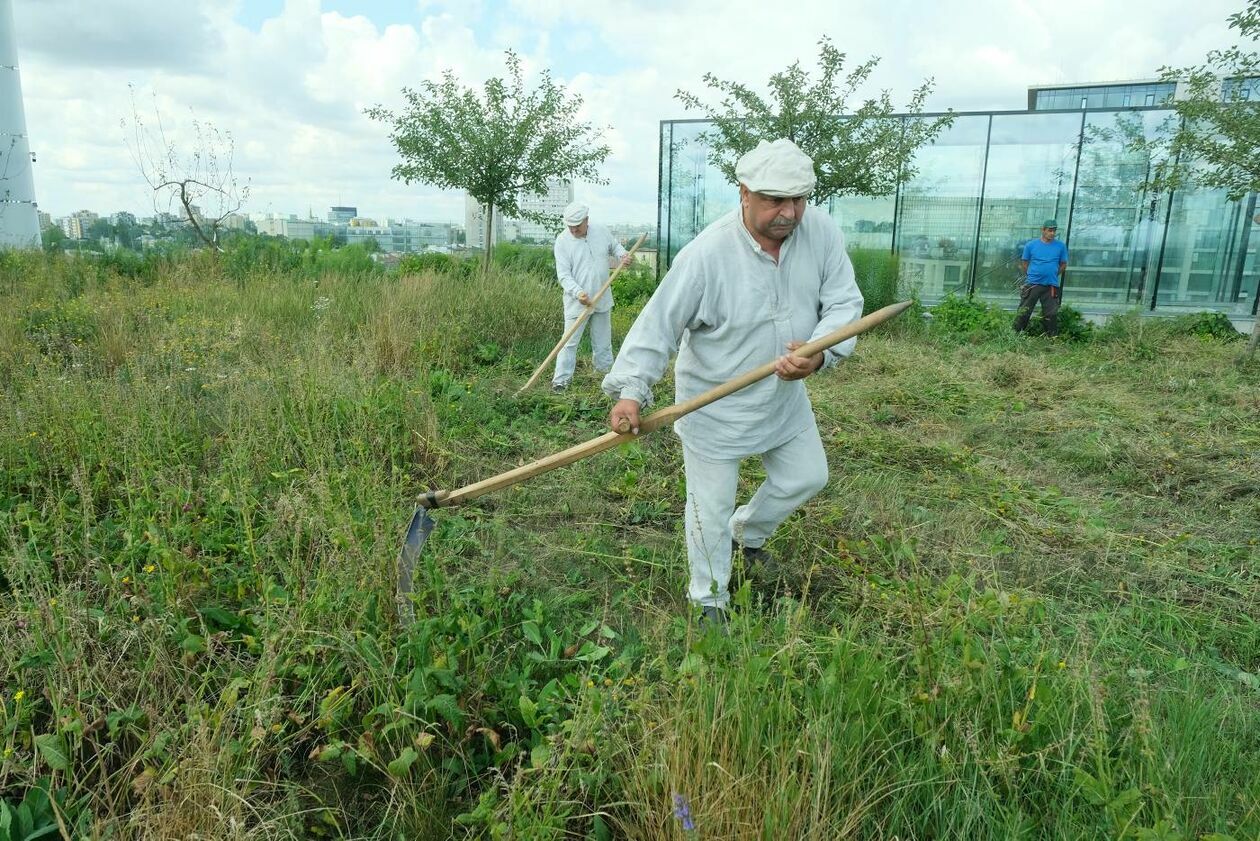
[981,191]
[1133,95]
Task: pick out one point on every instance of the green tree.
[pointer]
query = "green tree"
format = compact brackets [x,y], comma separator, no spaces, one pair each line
[98,230]
[498,145]
[54,239]
[1216,142]
[866,153]
[1217,137]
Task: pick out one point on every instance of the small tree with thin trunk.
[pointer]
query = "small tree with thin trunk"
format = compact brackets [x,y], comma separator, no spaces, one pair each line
[199,180]
[866,153]
[1214,141]
[499,145]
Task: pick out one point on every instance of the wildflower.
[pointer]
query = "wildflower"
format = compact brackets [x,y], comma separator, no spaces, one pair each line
[19,695]
[1062,664]
[682,811]
[126,579]
[52,602]
[149,567]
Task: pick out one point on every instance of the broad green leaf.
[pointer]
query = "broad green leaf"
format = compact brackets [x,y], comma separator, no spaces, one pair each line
[52,747]
[529,711]
[531,631]
[400,766]
[1094,791]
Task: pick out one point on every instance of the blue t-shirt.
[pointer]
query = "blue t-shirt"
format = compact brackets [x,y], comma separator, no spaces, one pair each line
[1043,261]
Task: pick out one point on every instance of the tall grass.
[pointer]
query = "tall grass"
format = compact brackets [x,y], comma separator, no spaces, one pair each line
[1025,606]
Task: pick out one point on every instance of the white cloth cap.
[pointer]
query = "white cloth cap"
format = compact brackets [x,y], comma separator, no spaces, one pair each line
[575,213]
[777,169]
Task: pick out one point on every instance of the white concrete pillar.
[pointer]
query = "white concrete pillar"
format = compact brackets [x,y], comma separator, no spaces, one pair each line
[19,222]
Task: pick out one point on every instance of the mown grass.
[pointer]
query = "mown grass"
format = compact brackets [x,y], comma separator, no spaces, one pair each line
[1024,607]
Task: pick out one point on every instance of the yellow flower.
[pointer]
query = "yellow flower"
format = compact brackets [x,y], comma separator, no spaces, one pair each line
[126,579]
[52,602]
[1062,664]
[149,568]
[19,695]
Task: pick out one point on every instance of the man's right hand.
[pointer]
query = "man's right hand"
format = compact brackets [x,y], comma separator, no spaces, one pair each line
[624,416]
[584,299]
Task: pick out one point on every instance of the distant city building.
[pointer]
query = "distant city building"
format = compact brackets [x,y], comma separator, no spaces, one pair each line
[234,222]
[1140,93]
[45,220]
[342,215]
[76,225]
[122,217]
[558,194]
[293,228]
[1131,94]
[402,237]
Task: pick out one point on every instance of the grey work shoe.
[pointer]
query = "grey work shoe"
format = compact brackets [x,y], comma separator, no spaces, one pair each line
[759,568]
[712,616]
[754,554]
[559,388]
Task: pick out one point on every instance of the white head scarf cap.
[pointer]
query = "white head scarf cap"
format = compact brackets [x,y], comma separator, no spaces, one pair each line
[575,213]
[776,169]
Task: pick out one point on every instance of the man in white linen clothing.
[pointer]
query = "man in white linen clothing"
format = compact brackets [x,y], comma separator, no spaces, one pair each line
[584,255]
[752,287]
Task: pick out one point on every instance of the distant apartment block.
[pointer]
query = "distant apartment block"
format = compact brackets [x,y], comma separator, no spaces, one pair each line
[75,226]
[234,222]
[292,227]
[45,220]
[552,202]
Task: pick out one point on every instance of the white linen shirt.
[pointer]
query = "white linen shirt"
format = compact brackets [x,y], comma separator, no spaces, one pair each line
[726,307]
[582,265]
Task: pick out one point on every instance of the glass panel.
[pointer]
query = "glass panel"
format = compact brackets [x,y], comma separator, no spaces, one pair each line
[663,196]
[698,192]
[1116,228]
[936,227]
[1210,257]
[867,222]
[1032,158]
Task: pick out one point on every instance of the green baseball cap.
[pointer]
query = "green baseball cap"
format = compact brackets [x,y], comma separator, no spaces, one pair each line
[1050,223]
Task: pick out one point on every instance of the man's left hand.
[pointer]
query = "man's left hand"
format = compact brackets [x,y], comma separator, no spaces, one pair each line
[626,261]
[793,367]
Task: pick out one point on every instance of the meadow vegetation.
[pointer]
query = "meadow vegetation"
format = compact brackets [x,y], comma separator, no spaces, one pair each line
[1027,605]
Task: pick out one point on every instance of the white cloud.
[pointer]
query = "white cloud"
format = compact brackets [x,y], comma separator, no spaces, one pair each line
[292,93]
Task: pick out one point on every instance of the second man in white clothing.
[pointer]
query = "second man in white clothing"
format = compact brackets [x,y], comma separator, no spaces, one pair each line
[585,254]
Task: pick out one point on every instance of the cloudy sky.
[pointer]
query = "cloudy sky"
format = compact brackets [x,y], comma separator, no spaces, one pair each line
[290,78]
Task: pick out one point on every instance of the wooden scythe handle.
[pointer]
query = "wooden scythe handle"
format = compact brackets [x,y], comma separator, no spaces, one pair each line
[444,499]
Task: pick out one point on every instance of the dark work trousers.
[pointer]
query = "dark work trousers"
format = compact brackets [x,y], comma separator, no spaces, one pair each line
[1029,295]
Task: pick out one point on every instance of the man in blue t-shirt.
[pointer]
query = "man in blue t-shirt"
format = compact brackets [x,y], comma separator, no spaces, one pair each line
[1043,263]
